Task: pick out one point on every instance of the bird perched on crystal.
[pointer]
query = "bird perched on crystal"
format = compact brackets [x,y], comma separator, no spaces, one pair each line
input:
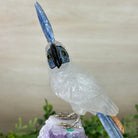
[74,85]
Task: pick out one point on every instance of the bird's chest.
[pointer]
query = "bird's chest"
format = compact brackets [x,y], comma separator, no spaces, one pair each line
[71,87]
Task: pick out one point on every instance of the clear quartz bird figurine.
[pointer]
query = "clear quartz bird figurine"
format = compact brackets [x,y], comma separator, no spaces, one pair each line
[75,86]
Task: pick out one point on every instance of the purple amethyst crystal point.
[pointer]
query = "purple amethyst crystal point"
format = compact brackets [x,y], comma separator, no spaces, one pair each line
[51,129]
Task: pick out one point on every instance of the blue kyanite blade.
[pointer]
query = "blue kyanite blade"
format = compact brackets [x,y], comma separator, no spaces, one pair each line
[45,24]
[110,126]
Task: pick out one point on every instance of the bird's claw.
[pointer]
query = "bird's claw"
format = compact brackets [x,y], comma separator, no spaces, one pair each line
[69,126]
[62,115]
[65,125]
[66,116]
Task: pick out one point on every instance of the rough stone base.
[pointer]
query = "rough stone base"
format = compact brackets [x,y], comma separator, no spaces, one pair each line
[51,129]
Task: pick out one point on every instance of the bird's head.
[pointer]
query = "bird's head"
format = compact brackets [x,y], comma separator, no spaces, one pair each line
[55,51]
[56,55]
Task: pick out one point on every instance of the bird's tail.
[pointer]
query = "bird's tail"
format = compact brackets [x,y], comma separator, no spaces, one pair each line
[111,125]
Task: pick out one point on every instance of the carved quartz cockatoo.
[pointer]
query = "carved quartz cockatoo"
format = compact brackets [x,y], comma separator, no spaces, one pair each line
[75,86]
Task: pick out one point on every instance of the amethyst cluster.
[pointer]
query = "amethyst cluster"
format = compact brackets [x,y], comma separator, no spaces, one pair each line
[51,129]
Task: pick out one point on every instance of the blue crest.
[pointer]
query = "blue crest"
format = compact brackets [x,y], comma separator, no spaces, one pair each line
[45,24]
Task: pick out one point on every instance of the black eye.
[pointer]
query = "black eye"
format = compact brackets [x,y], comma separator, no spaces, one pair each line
[48,56]
[63,52]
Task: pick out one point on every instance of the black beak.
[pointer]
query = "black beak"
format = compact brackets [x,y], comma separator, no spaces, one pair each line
[55,55]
